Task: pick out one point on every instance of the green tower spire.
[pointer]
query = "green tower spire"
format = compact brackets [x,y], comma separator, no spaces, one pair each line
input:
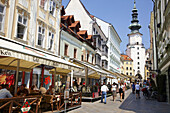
[134,26]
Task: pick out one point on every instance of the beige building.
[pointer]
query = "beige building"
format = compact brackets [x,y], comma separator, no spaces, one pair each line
[127,67]
[29,33]
[33,23]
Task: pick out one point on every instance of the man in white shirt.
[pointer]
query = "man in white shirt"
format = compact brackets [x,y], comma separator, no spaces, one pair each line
[104,90]
[137,87]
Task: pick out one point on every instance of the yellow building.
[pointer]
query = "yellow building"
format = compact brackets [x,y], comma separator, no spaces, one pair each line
[127,67]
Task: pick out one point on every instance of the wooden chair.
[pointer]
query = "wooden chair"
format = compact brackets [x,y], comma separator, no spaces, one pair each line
[48,100]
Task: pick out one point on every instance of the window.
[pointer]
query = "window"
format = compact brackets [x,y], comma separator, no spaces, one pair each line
[138,53]
[130,63]
[138,57]
[82,57]
[126,62]
[41,35]
[75,53]
[130,74]
[130,68]
[147,73]
[50,40]
[137,48]
[92,59]
[2,16]
[42,3]
[66,50]
[138,63]
[126,73]
[52,7]
[87,57]
[126,68]
[137,43]
[138,67]
[21,26]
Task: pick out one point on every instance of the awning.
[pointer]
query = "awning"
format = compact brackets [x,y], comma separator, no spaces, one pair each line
[121,76]
[29,57]
[114,75]
[10,63]
[94,68]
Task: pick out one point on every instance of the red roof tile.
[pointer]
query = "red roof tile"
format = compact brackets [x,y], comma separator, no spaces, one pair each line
[83,32]
[75,24]
[126,57]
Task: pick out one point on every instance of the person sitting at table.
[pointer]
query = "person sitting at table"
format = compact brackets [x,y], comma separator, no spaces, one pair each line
[50,91]
[22,91]
[4,93]
[42,90]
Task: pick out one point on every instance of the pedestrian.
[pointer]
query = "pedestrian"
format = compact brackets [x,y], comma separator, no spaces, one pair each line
[22,91]
[104,90]
[121,87]
[114,89]
[4,93]
[133,88]
[137,86]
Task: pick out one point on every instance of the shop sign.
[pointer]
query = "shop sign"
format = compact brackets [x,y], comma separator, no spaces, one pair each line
[26,107]
[47,80]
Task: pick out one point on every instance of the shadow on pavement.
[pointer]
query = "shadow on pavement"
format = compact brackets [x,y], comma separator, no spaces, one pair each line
[144,106]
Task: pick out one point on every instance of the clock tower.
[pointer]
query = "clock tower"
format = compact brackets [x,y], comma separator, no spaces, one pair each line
[135,47]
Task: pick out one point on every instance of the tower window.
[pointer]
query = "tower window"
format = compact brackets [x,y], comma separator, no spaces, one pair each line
[138,67]
[137,43]
[138,53]
[138,63]
[126,68]
[138,57]
[130,68]
[137,48]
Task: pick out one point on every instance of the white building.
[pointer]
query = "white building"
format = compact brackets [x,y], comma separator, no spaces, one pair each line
[135,48]
[76,8]
[113,44]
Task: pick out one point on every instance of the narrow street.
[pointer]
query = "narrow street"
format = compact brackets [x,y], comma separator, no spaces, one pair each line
[129,105]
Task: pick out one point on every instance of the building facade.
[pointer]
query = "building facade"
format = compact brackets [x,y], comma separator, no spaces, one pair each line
[128,65]
[113,44]
[30,33]
[135,48]
[162,31]
[76,8]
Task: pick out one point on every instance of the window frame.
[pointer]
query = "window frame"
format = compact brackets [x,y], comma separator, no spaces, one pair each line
[75,53]
[44,5]
[41,33]
[52,10]
[22,23]
[66,50]
[3,17]
[50,38]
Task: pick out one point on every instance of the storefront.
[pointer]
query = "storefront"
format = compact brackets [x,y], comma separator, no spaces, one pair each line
[23,58]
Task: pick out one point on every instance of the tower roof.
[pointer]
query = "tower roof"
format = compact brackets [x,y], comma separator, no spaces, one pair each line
[134,26]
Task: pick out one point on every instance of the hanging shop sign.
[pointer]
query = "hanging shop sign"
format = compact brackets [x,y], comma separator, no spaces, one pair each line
[26,107]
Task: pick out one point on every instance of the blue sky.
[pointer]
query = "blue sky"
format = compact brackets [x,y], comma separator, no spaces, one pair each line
[118,13]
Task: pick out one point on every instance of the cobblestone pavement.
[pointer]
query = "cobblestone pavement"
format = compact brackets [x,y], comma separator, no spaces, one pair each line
[129,105]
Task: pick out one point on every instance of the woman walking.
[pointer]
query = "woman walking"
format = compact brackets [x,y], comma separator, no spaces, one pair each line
[114,89]
[121,87]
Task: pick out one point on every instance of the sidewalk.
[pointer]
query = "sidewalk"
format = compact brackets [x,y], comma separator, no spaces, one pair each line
[129,105]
